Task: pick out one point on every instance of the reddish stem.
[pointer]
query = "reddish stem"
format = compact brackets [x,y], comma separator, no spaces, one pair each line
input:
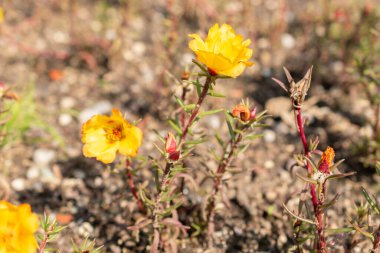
[169,166]
[223,164]
[316,204]
[376,242]
[45,239]
[132,186]
[196,110]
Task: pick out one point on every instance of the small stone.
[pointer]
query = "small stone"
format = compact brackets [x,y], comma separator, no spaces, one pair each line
[65,119]
[288,41]
[18,184]
[67,102]
[101,107]
[138,48]
[271,196]
[269,136]
[33,172]
[98,181]
[269,164]
[79,174]
[214,122]
[43,157]
[86,229]
[47,174]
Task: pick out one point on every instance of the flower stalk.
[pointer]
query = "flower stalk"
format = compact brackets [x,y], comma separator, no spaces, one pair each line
[223,164]
[132,186]
[317,200]
[45,239]
[169,165]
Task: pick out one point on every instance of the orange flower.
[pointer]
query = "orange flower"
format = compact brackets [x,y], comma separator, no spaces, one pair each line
[17,227]
[104,136]
[223,52]
[242,112]
[326,160]
[328,155]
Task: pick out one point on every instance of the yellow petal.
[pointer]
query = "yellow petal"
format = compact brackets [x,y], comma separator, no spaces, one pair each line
[197,43]
[109,155]
[132,141]
[235,71]
[223,51]
[214,61]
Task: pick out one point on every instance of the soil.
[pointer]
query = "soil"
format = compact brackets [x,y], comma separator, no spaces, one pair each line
[79,58]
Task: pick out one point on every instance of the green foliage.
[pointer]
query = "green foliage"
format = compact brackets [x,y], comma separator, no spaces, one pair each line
[51,230]
[86,247]
[22,115]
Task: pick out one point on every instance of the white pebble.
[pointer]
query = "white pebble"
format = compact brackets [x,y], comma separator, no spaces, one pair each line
[43,157]
[65,119]
[18,184]
[288,41]
[269,136]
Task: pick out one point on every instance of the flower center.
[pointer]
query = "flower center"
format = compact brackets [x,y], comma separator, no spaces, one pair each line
[114,134]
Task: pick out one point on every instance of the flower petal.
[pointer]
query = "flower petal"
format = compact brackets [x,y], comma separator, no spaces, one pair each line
[132,141]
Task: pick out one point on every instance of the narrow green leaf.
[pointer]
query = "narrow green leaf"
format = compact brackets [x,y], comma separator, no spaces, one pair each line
[175,126]
[158,148]
[298,217]
[217,95]
[370,201]
[332,168]
[219,139]
[253,136]
[144,198]
[189,107]
[159,136]
[330,203]
[243,149]
[198,87]
[195,142]
[336,176]
[170,209]
[180,102]
[306,179]
[334,231]
[229,124]
[360,230]
[206,113]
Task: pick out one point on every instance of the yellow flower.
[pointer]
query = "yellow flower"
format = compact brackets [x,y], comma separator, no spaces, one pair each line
[1,15]
[104,136]
[17,227]
[223,52]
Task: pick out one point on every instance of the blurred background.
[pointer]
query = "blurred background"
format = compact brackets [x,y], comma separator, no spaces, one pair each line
[62,61]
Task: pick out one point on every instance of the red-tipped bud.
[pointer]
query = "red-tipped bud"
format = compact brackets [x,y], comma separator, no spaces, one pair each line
[171,147]
[253,113]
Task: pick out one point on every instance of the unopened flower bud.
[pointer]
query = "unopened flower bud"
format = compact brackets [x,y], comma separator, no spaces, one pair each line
[171,148]
[242,112]
[185,76]
[253,113]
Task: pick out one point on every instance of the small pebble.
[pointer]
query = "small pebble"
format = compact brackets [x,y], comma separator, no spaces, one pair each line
[269,136]
[43,157]
[65,119]
[18,184]
[101,107]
